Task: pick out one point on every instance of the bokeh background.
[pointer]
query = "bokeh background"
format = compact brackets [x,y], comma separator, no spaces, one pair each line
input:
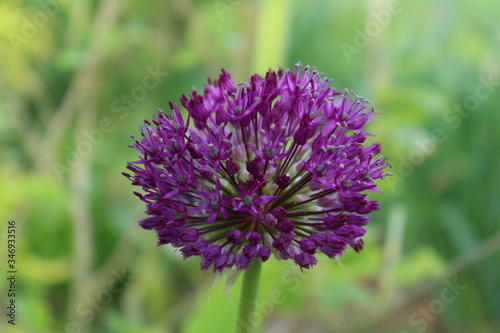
[77,77]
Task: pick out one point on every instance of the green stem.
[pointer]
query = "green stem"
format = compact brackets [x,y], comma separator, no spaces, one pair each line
[246,315]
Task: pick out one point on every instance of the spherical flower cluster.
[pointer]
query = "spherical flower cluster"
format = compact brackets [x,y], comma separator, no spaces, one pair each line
[272,165]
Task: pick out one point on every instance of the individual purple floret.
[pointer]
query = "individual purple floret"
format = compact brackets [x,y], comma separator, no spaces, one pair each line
[272,165]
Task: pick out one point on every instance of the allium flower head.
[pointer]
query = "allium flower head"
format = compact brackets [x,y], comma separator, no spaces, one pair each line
[272,165]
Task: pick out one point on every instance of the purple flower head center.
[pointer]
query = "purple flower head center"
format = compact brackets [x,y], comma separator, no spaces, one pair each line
[276,164]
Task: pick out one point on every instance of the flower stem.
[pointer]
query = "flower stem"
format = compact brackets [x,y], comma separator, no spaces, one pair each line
[248,300]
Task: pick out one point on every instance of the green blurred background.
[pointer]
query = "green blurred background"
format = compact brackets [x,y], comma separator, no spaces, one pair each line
[77,77]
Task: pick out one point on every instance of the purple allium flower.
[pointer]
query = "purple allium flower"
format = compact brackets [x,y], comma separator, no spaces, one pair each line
[275,164]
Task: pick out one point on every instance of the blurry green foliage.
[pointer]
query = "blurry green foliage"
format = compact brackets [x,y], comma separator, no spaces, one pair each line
[78,225]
